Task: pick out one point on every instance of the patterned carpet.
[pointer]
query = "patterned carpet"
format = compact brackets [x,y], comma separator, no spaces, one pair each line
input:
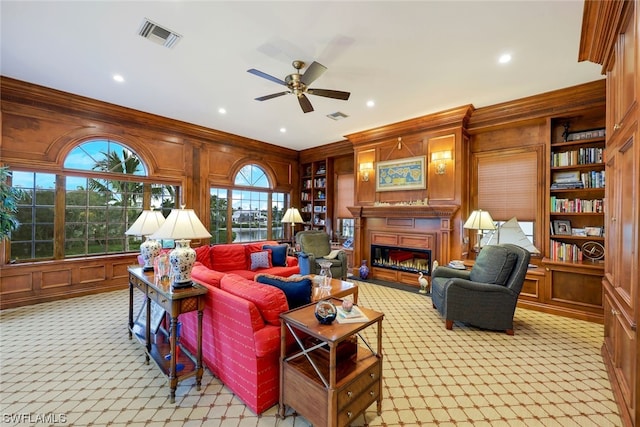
[71,363]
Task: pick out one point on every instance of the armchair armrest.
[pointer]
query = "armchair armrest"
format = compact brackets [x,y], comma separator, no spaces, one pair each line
[307,263]
[469,286]
[451,273]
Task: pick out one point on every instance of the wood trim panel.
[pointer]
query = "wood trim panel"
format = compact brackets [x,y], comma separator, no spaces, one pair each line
[33,283]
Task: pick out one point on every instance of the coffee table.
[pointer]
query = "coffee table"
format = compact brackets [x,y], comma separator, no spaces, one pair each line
[339,289]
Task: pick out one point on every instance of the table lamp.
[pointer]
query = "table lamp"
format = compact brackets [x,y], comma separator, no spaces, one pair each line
[480,220]
[146,224]
[292,216]
[182,225]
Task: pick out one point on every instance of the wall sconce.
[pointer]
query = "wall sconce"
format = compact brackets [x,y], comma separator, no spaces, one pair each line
[440,159]
[365,168]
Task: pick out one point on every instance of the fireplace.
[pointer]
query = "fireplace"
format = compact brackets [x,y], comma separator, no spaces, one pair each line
[408,260]
[423,232]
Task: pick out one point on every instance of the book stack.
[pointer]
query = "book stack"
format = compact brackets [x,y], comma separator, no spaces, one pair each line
[353,316]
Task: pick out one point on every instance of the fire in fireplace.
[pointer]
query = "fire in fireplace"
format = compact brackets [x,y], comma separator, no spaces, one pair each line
[403,259]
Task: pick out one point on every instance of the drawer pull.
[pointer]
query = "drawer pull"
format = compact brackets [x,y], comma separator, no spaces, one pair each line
[614,311]
[349,393]
[372,375]
[349,414]
[617,126]
[371,393]
[163,300]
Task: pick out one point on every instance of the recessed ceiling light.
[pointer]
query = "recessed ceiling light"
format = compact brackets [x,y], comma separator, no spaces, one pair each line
[283,130]
[222,110]
[504,58]
[118,78]
[371,103]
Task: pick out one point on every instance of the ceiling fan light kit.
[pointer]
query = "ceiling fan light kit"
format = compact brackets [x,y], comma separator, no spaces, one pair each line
[298,84]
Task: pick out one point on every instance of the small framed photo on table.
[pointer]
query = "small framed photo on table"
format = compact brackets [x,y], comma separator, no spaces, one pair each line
[562,227]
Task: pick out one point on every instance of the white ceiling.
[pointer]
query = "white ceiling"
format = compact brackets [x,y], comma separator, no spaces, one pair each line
[413,58]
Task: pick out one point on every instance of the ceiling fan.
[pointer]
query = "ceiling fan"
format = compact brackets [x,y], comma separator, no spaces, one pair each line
[298,84]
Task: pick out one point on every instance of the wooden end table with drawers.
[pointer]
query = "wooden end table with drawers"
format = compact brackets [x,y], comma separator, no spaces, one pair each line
[320,381]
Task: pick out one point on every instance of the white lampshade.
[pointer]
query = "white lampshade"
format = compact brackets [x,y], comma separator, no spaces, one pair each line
[182,225]
[147,223]
[480,220]
[292,215]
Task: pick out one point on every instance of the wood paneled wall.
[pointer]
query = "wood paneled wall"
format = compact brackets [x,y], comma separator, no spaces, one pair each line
[41,125]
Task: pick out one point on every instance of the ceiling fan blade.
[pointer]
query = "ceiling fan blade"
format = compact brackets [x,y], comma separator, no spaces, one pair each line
[273,95]
[336,94]
[305,103]
[314,71]
[266,76]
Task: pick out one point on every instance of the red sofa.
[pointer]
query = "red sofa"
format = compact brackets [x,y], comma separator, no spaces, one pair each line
[241,322]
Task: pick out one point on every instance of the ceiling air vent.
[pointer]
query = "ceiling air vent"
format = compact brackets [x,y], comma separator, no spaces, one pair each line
[337,116]
[157,34]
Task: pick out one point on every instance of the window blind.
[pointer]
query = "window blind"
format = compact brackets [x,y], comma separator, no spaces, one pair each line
[344,195]
[508,185]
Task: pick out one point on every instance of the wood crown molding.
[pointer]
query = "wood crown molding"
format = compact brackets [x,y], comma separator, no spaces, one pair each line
[335,149]
[601,23]
[541,106]
[455,117]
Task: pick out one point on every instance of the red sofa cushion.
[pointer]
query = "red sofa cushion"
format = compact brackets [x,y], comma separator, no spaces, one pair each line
[203,274]
[228,257]
[203,255]
[270,301]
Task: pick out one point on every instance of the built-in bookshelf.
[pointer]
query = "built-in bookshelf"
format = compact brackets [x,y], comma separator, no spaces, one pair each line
[313,195]
[576,194]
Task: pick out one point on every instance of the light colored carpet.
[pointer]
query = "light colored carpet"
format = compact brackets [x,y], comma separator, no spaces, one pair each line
[71,363]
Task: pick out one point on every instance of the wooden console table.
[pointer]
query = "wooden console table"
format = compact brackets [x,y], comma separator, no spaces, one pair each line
[174,302]
[313,383]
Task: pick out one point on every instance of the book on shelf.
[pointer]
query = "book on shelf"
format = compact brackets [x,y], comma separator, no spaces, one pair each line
[567,185]
[353,316]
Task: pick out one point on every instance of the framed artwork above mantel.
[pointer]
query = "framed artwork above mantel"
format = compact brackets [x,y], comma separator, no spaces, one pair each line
[401,174]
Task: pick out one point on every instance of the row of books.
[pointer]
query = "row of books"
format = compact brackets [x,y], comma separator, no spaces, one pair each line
[560,251]
[590,179]
[576,205]
[582,156]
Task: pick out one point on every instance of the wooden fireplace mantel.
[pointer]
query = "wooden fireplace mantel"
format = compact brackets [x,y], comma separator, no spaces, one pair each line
[401,211]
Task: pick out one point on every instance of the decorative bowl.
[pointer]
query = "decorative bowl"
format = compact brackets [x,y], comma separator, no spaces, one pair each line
[326,312]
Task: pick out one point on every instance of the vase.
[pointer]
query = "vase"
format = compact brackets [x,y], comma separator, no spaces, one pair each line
[325,274]
[364,270]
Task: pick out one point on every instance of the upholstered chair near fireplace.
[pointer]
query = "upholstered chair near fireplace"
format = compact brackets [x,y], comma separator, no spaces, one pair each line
[315,246]
[486,295]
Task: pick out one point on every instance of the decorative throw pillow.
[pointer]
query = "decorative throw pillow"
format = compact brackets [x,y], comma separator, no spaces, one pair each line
[296,289]
[278,254]
[260,259]
[493,265]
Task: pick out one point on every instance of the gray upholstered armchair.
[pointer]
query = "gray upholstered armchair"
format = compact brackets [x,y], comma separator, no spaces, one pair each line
[314,246]
[485,296]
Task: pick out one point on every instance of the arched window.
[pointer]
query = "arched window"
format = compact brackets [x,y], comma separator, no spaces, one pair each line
[105,156]
[105,185]
[255,213]
[252,176]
